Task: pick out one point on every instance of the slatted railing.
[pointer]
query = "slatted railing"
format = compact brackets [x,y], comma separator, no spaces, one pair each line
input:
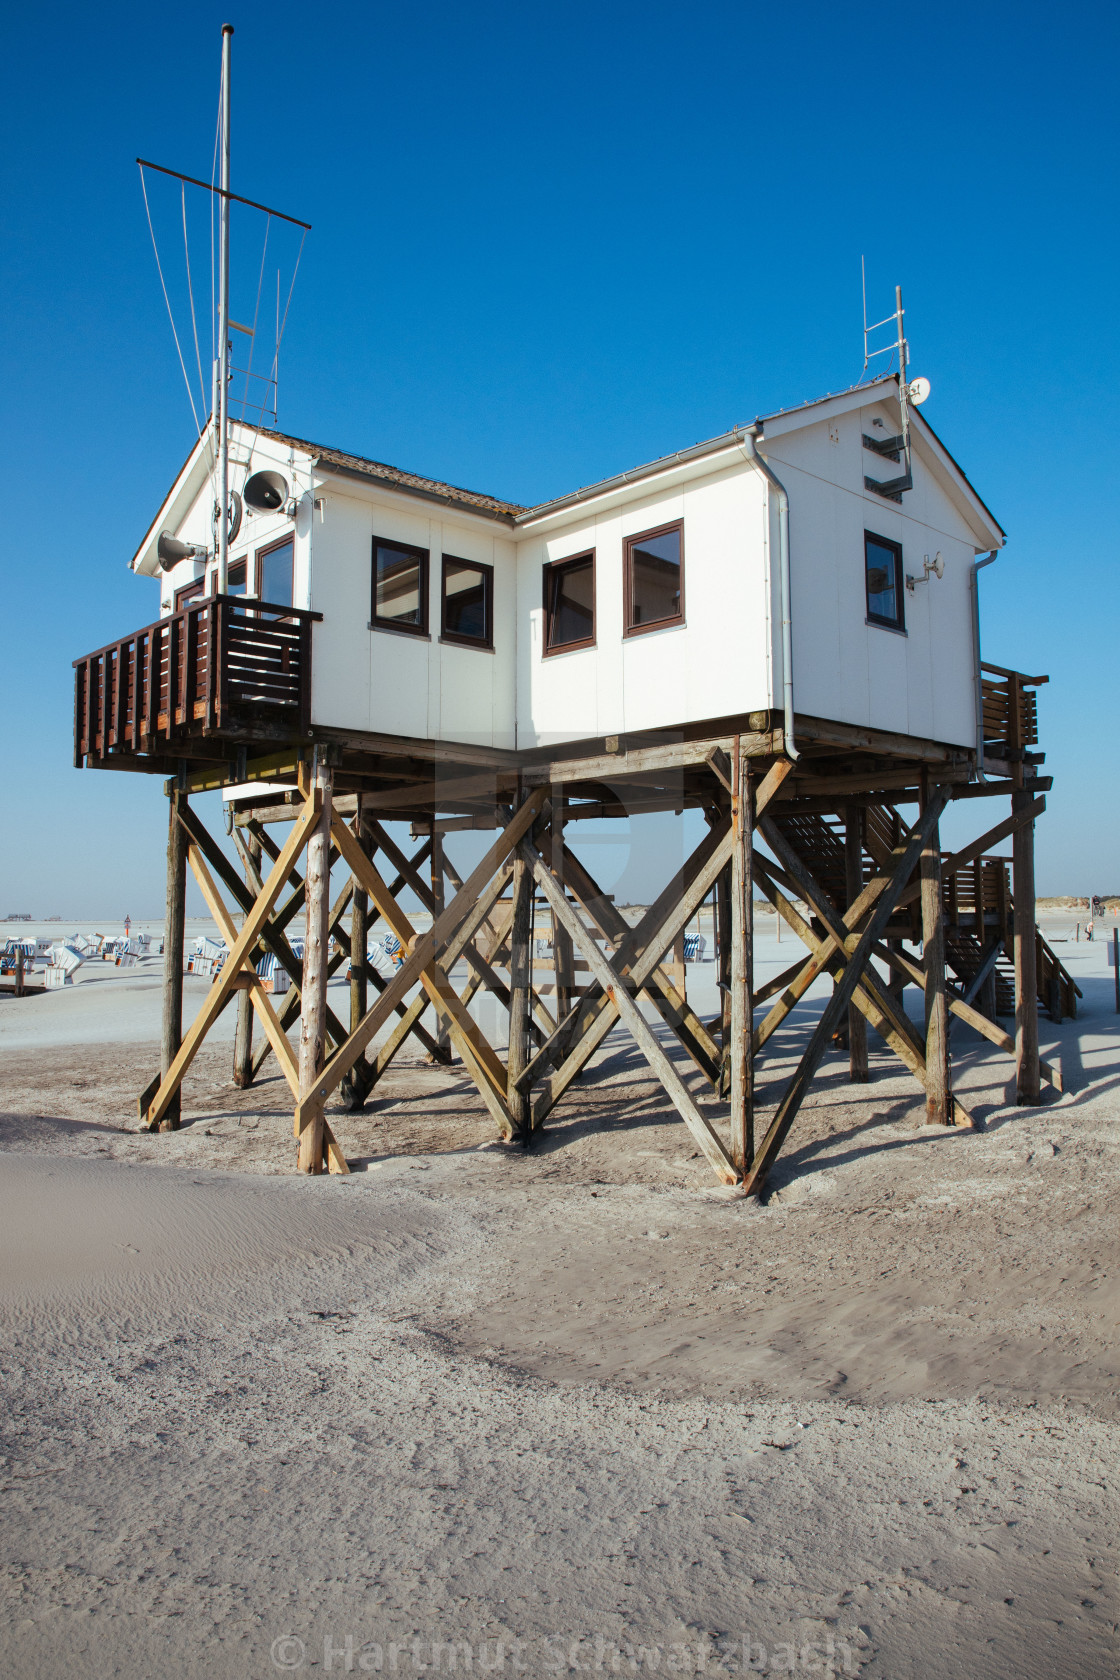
[224,665]
[1010,705]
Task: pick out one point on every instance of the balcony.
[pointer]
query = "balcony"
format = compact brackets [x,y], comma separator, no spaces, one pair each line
[1010,706]
[223,670]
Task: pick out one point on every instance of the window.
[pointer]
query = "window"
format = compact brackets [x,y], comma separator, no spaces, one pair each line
[400,587]
[235,578]
[274,573]
[569,604]
[189,592]
[654,571]
[468,602]
[883,575]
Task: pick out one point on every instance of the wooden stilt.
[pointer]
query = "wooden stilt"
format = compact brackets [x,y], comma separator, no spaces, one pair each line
[439,901]
[1027,1080]
[858,1070]
[520,982]
[562,954]
[173,936]
[243,1039]
[938,1073]
[741,967]
[359,933]
[313,989]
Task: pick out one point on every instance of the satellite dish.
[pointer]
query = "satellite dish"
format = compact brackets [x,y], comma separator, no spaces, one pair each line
[234,515]
[170,551]
[266,491]
[918,391]
[938,567]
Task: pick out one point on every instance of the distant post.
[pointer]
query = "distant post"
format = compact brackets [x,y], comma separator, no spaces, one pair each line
[1116,964]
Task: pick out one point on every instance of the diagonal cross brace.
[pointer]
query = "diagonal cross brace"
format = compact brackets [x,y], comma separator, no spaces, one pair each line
[855,963]
[426,947]
[617,989]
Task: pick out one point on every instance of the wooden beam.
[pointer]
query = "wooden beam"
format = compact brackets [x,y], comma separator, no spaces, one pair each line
[854,965]
[742,972]
[938,1068]
[1027,1087]
[426,947]
[858,1069]
[678,755]
[967,854]
[243,1040]
[255,992]
[313,984]
[222,987]
[520,986]
[616,988]
[173,941]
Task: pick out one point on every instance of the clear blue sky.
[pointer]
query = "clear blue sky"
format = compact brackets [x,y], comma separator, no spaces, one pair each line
[549,244]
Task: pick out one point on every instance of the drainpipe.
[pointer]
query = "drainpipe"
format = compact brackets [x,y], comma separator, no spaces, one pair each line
[751,453]
[974,592]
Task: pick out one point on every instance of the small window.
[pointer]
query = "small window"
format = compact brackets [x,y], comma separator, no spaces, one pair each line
[400,587]
[655,579]
[883,575]
[468,602]
[569,604]
[235,578]
[189,592]
[274,573]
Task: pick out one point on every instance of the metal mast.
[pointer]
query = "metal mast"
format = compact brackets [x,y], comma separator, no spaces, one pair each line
[222,580]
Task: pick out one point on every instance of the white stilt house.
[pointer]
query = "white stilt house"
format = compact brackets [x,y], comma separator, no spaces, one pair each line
[650,601]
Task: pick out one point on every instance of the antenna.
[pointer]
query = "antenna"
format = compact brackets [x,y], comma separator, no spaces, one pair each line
[909,391]
[222,510]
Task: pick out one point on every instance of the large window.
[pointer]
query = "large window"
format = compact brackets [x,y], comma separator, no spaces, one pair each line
[654,571]
[274,573]
[883,575]
[400,587]
[569,604]
[468,602]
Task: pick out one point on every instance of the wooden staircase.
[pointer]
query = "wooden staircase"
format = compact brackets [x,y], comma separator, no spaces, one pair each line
[978,908]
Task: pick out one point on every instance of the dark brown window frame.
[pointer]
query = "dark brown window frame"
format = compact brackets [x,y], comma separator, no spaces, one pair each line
[629,543]
[454,636]
[877,619]
[550,568]
[424,555]
[193,591]
[258,564]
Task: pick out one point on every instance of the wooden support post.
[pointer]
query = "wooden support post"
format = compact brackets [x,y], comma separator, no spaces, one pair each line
[520,984]
[443,1041]
[243,1038]
[359,933]
[858,1070]
[174,928]
[742,967]
[563,956]
[1028,1090]
[939,1106]
[313,989]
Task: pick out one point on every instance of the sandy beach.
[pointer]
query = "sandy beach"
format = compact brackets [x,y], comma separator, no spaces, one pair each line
[573,1410]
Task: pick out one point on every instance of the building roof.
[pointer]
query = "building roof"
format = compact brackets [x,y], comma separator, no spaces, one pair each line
[365,468]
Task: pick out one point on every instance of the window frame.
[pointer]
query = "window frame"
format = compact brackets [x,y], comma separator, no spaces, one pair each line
[629,544]
[552,568]
[258,567]
[456,637]
[898,623]
[188,592]
[394,625]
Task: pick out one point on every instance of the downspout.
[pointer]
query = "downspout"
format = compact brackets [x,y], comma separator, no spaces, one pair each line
[974,591]
[751,453]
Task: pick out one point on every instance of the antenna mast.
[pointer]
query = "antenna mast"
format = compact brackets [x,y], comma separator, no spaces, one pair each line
[222,417]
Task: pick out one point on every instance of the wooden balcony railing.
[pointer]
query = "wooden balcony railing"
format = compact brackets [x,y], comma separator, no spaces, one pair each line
[1010,713]
[222,666]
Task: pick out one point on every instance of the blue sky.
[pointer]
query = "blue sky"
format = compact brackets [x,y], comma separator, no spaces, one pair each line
[549,244]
